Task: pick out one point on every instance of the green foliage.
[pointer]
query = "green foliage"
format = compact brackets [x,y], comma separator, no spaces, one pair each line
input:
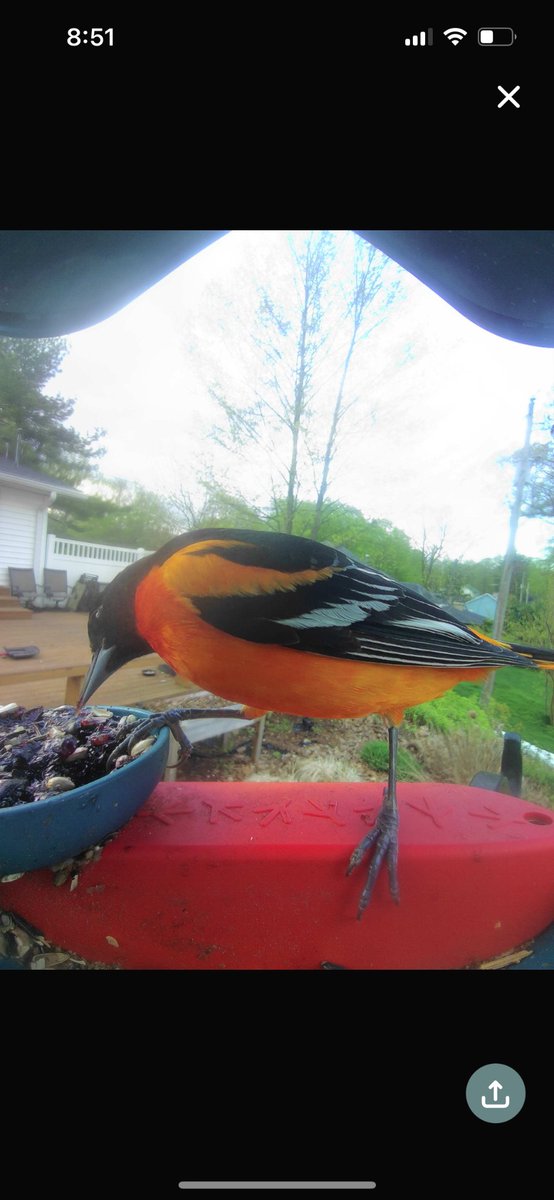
[540,774]
[451,576]
[377,542]
[376,755]
[523,699]
[526,695]
[528,623]
[33,425]
[456,756]
[452,711]
[452,580]
[533,621]
[496,712]
[129,516]
[390,550]
[212,504]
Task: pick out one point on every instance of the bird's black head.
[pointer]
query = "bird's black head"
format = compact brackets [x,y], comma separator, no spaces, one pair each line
[113,636]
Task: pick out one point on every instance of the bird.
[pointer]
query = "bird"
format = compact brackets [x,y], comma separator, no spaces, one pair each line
[284,623]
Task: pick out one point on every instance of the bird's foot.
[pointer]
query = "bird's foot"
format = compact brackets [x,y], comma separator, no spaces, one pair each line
[384,838]
[171,718]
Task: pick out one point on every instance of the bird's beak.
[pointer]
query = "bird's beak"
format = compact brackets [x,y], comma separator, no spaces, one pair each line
[103,665]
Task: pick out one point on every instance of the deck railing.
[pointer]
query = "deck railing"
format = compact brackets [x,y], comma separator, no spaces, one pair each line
[90,558]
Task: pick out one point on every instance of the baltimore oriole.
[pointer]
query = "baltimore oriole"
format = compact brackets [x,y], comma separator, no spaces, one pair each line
[285,623]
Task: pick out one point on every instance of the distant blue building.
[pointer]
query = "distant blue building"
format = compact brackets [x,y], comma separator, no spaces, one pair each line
[485,605]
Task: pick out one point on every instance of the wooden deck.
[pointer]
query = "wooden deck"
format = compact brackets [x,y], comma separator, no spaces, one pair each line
[64,652]
[55,677]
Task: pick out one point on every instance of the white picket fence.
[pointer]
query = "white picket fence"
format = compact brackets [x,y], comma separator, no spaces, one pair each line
[88,558]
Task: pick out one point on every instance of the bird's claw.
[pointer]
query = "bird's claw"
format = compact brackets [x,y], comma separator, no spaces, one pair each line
[149,725]
[170,718]
[384,837]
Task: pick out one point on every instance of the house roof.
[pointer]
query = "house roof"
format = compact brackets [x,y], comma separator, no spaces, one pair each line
[460,614]
[23,476]
[468,617]
[55,281]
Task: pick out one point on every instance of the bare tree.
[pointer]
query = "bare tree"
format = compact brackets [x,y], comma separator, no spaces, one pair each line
[301,346]
[509,560]
[367,287]
[287,349]
[313,270]
[431,552]
[211,503]
[538,492]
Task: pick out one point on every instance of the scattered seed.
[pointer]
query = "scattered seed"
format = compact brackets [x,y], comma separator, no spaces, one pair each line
[59,783]
[44,752]
[44,962]
[78,755]
[35,953]
[141,746]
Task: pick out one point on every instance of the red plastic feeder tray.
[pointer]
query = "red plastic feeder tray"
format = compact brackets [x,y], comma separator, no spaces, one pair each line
[244,876]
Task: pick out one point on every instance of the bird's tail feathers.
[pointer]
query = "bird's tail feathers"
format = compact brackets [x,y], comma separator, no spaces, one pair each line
[540,655]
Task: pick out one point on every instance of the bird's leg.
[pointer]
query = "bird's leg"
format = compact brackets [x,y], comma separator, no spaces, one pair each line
[172,717]
[383,836]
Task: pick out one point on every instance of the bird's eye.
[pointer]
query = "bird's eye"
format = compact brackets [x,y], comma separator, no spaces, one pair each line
[98,614]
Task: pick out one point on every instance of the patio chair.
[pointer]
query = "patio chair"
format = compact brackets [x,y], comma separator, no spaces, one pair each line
[23,585]
[55,586]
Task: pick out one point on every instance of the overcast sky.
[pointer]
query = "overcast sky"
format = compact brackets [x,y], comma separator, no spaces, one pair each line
[441,400]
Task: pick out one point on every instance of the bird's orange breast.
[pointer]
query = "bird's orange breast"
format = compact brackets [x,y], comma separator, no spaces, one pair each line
[277,677]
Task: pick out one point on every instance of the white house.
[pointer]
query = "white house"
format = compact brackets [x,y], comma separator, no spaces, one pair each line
[25,497]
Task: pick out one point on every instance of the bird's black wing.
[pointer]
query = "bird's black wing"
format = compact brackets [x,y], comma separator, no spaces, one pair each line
[355,613]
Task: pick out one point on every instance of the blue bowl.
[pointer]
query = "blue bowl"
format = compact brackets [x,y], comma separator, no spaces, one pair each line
[47,832]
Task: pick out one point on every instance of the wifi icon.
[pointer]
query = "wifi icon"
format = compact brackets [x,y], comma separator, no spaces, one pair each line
[455,35]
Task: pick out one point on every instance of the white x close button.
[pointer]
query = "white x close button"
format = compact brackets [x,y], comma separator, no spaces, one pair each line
[509,96]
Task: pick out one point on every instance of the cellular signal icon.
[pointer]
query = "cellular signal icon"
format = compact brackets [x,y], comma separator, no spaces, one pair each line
[455,35]
[420,39]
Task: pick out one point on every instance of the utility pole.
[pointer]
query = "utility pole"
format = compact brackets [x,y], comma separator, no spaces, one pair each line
[507,569]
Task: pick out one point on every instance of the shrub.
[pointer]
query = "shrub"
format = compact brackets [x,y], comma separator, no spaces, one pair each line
[457,756]
[538,781]
[376,755]
[453,711]
[323,767]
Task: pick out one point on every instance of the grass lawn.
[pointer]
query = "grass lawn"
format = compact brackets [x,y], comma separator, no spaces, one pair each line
[524,695]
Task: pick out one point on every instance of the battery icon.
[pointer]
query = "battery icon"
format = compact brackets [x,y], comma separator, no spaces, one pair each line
[496,37]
